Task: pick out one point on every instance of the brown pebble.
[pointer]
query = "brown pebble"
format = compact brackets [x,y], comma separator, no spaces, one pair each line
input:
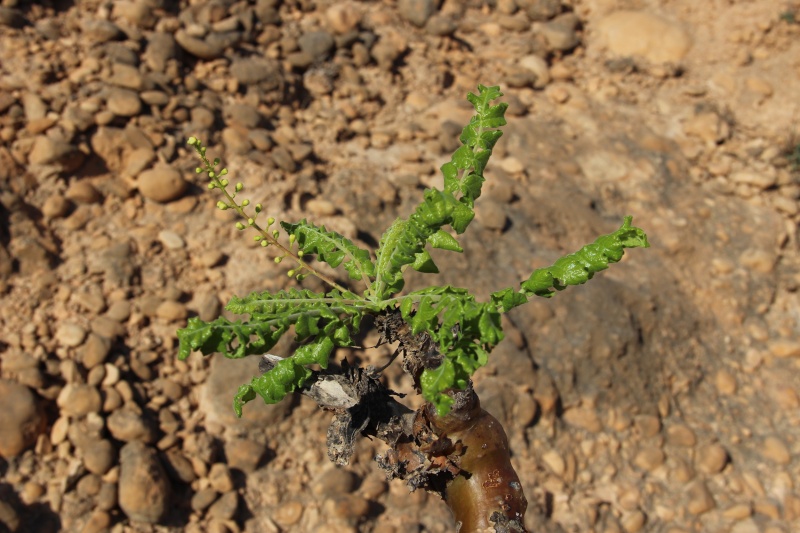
[711,458]
[219,476]
[725,382]
[288,514]
[784,348]
[649,458]
[680,435]
[775,450]
[700,498]
[584,418]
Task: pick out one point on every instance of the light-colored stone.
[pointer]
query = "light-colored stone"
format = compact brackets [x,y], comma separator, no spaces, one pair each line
[643,34]
[700,498]
[21,418]
[711,458]
[161,184]
[774,449]
[144,489]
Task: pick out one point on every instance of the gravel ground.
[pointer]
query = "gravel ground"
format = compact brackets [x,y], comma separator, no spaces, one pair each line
[661,397]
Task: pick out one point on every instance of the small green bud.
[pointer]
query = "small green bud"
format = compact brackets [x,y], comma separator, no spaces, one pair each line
[276,234]
[300,253]
[264,244]
[224,183]
[212,185]
[192,141]
[301,277]
[239,226]
[278,259]
[238,187]
[258,208]
[292,238]
[257,238]
[198,170]
[245,203]
[222,206]
[250,221]
[203,150]
[216,161]
[291,273]
[211,174]
[270,221]
[223,172]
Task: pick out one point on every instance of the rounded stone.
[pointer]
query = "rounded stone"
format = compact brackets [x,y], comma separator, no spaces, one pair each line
[21,418]
[77,400]
[99,456]
[144,490]
[161,184]
[643,34]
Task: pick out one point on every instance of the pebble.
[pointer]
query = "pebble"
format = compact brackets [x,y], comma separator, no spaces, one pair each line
[127,424]
[48,151]
[680,435]
[538,66]
[123,102]
[583,417]
[100,31]
[540,10]
[144,490]
[8,516]
[225,507]
[171,240]
[643,34]
[179,467]
[21,418]
[172,311]
[762,180]
[56,206]
[711,458]
[343,17]
[700,499]
[761,261]
[775,450]
[126,76]
[554,462]
[203,498]
[334,482]
[235,140]
[204,49]
[77,400]
[784,348]
[416,12]
[161,47]
[252,70]
[99,456]
[82,192]
[288,513]
[95,350]
[649,458]
[317,44]
[725,382]
[560,33]
[244,454]
[98,522]
[219,476]
[161,184]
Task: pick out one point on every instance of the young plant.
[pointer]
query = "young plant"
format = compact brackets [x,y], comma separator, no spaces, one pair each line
[450,445]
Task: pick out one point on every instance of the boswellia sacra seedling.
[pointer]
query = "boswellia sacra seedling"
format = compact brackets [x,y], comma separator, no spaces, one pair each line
[450,445]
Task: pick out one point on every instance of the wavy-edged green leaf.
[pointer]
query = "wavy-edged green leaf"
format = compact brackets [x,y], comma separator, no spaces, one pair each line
[285,377]
[444,241]
[575,268]
[233,339]
[424,263]
[332,248]
[402,243]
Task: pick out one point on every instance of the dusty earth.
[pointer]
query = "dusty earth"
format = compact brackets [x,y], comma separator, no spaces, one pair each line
[663,396]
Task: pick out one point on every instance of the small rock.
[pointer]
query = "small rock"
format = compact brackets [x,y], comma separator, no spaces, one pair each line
[8,517]
[171,240]
[584,418]
[144,490]
[649,458]
[126,76]
[250,70]
[317,44]
[21,418]
[203,498]
[99,457]
[560,33]
[784,348]
[236,140]
[179,467]
[204,49]
[225,507]
[77,400]
[128,425]
[82,192]
[319,207]
[761,261]
[334,482]
[161,47]
[762,180]
[219,476]
[538,66]
[288,513]
[555,462]
[725,382]
[775,450]
[98,522]
[700,498]
[12,18]
[100,31]
[643,34]
[245,455]
[492,214]
[137,13]
[759,86]
[34,106]
[161,184]
[349,507]
[123,102]
[540,10]
[343,17]
[711,458]
[680,435]
[441,25]
[47,151]
[56,206]
[416,12]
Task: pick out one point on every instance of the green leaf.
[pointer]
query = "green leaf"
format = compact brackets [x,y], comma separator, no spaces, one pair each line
[444,241]
[424,263]
[332,248]
[435,381]
[575,268]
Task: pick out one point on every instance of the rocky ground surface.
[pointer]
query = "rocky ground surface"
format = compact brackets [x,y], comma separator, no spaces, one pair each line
[664,396]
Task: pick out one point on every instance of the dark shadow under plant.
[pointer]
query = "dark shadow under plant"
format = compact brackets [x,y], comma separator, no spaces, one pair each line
[450,445]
